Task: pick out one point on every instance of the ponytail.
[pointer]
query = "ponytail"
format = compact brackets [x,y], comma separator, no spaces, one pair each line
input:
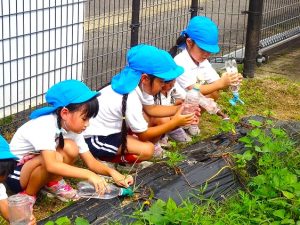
[124,126]
[179,42]
[61,142]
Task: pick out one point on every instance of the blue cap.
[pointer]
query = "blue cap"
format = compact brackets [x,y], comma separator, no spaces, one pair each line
[204,32]
[64,93]
[5,152]
[145,59]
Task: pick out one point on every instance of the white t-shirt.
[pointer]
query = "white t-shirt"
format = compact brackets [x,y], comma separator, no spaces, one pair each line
[41,134]
[203,73]
[109,118]
[177,92]
[3,194]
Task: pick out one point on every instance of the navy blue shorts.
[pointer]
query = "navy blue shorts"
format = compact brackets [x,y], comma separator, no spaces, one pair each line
[13,180]
[104,146]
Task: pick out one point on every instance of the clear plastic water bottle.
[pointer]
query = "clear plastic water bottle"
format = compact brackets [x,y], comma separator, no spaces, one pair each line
[211,107]
[231,67]
[191,102]
[87,190]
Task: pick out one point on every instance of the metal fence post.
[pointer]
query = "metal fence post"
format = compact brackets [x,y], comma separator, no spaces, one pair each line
[194,8]
[135,23]
[252,37]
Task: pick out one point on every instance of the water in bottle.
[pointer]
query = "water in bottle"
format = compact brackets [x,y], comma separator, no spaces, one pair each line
[191,104]
[87,190]
[231,67]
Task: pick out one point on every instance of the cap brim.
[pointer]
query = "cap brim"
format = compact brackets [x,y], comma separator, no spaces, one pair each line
[208,48]
[126,81]
[172,74]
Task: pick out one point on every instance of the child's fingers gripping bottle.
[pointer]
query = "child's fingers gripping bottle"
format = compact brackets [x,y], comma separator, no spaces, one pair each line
[231,67]
[87,190]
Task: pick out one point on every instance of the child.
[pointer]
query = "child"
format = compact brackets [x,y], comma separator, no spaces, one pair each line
[48,144]
[200,40]
[128,99]
[7,165]
[171,94]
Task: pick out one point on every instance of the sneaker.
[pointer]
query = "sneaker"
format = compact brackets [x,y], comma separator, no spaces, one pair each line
[164,142]
[193,130]
[62,191]
[179,135]
[158,151]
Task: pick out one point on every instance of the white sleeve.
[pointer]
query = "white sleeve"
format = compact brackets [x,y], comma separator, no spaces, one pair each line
[209,74]
[3,194]
[134,114]
[82,145]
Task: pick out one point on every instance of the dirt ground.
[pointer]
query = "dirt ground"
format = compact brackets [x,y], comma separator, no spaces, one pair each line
[285,63]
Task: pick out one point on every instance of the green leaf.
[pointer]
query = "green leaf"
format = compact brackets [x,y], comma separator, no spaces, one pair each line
[63,221]
[287,221]
[279,213]
[288,195]
[245,140]
[50,223]
[255,132]
[257,148]
[81,221]
[247,155]
[255,123]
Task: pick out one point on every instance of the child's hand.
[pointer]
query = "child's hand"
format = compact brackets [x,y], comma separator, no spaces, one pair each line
[99,183]
[121,180]
[182,120]
[124,181]
[228,79]
[32,220]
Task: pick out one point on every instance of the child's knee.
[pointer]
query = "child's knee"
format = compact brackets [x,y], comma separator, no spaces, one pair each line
[70,151]
[148,150]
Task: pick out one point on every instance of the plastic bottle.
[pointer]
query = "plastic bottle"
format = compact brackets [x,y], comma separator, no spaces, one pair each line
[191,103]
[87,190]
[194,98]
[231,67]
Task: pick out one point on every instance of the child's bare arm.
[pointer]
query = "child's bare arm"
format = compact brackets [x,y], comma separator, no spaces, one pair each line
[4,209]
[100,168]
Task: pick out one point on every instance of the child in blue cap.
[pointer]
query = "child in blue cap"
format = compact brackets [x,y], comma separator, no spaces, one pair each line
[171,94]
[199,40]
[48,145]
[7,165]
[128,99]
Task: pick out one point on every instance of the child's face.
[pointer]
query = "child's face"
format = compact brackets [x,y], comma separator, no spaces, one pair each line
[197,54]
[168,85]
[76,121]
[154,88]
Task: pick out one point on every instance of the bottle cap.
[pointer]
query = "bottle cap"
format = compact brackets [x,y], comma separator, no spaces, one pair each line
[196,86]
[127,191]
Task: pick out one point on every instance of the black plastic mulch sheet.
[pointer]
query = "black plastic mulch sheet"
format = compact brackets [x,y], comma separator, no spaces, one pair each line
[206,162]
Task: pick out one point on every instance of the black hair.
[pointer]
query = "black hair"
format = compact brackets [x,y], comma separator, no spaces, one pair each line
[124,126]
[179,42]
[7,166]
[89,109]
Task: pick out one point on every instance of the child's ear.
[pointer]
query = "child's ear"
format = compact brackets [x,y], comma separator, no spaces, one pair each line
[64,113]
[189,42]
